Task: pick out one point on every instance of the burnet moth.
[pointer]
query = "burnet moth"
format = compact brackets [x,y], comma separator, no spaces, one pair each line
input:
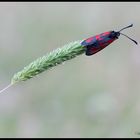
[97,43]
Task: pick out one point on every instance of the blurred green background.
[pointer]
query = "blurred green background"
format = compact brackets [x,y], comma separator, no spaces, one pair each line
[97,96]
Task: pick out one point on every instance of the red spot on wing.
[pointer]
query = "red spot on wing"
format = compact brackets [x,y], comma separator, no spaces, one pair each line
[98,37]
[110,41]
[105,33]
[89,39]
[93,50]
[103,45]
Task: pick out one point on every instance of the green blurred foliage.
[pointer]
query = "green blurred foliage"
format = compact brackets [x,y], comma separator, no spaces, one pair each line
[95,96]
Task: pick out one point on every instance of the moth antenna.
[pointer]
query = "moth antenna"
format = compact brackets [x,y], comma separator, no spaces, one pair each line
[126,27]
[126,35]
[130,38]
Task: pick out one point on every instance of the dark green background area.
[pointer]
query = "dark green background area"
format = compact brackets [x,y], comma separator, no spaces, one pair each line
[96,96]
